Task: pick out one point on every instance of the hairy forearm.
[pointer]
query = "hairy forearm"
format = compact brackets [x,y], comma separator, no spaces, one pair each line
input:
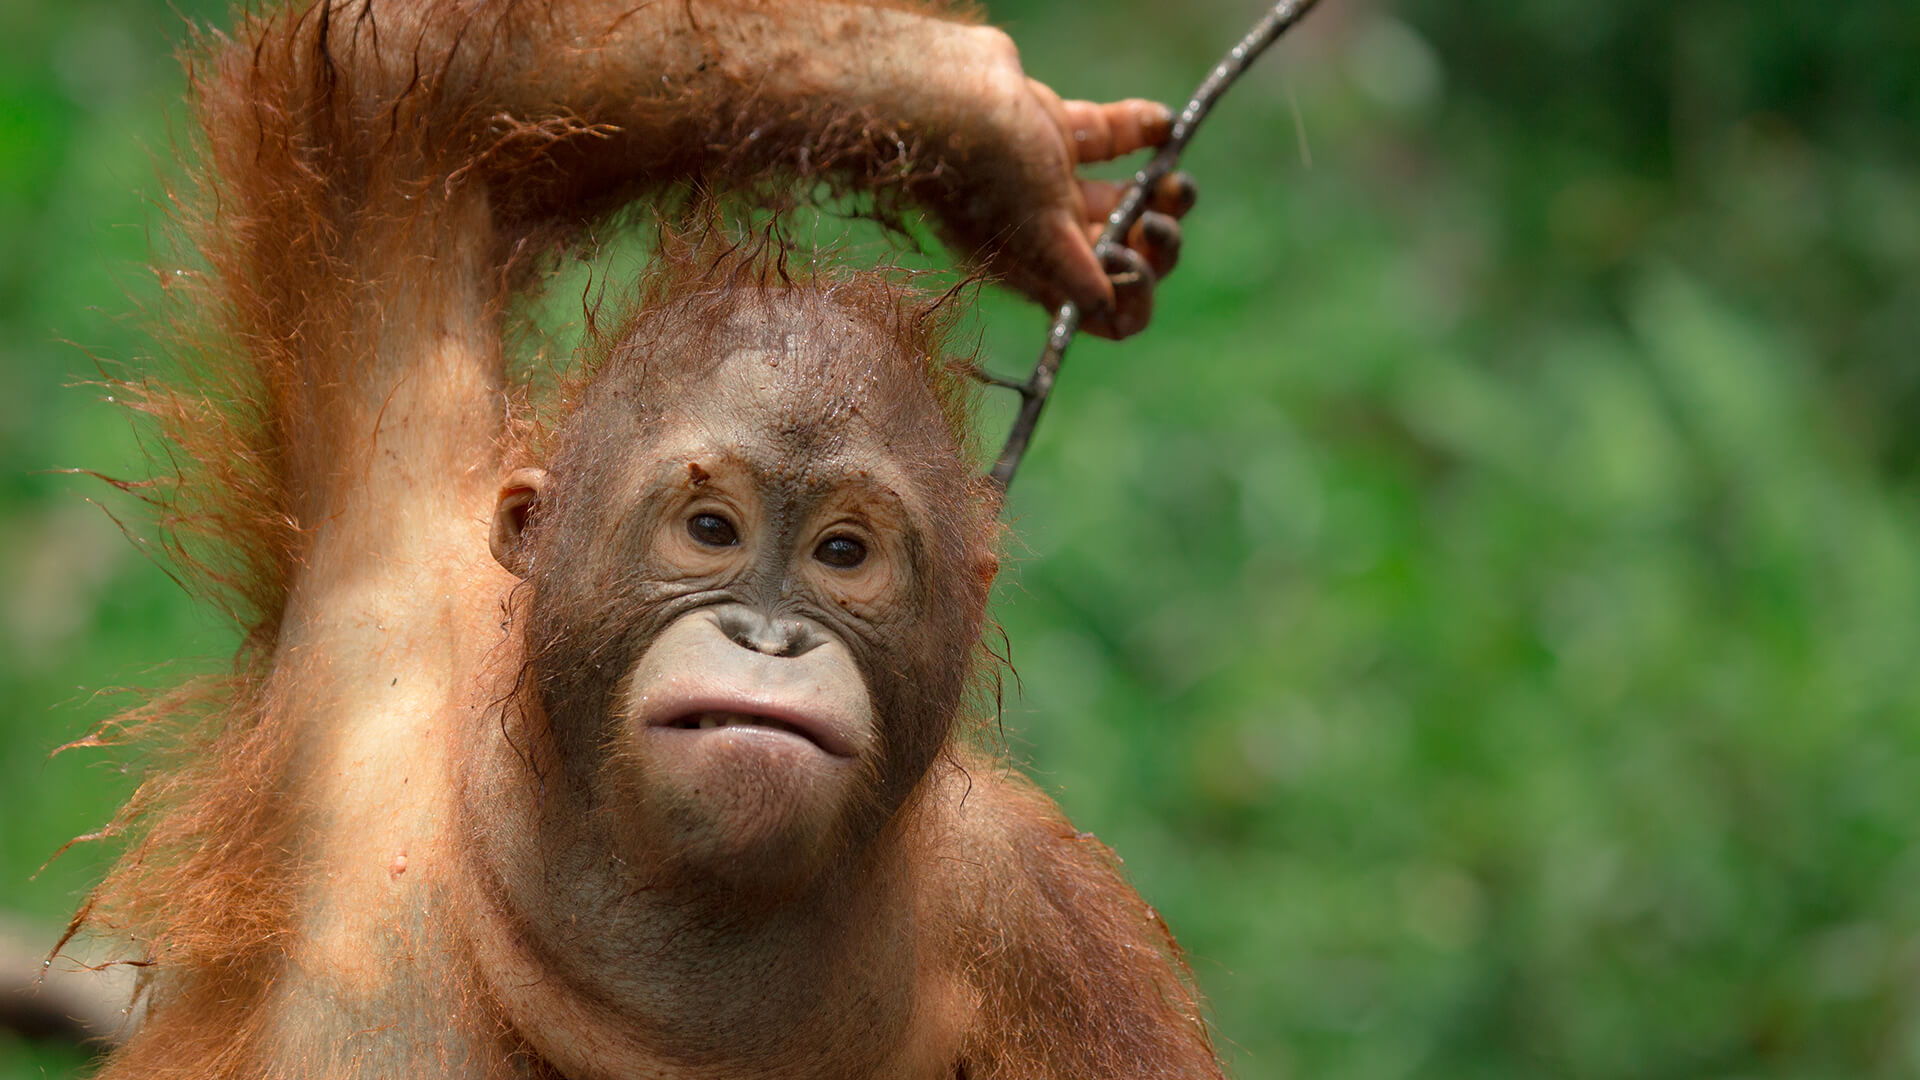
[560,106]
[732,90]
[378,170]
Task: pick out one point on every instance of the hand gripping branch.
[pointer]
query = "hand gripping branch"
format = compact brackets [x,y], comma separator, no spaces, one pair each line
[1066,321]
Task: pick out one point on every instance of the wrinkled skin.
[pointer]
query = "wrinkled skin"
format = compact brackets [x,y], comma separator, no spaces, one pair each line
[775,509]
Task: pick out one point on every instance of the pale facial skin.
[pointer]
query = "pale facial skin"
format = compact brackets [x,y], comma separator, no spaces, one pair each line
[747,720]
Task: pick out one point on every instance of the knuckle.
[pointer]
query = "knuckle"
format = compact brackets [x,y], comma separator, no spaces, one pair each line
[996,44]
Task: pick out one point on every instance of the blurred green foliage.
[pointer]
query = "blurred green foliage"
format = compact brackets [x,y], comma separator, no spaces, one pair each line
[1482,610]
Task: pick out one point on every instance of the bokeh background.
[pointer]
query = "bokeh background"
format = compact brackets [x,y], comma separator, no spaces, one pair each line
[1483,611]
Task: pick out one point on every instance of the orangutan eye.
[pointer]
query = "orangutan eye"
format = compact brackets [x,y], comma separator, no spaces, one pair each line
[712,530]
[841,552]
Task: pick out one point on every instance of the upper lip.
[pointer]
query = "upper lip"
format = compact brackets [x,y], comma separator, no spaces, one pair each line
[815,729]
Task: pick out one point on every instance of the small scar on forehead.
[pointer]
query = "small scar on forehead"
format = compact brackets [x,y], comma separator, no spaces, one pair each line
[695,474]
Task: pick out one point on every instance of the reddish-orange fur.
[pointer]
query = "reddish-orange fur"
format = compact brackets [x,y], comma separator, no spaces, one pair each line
[368,171]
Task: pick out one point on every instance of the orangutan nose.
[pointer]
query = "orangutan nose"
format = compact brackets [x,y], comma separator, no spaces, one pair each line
[762,633]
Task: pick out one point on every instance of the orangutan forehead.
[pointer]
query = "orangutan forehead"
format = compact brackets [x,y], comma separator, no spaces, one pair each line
[790,371]
[798,396]
[791,354]
[807,334]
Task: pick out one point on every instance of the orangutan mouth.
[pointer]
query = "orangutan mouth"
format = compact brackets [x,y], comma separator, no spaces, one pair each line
[798,726]
[705,720]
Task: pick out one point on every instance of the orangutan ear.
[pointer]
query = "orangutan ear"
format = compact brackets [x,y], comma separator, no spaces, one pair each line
[519,494]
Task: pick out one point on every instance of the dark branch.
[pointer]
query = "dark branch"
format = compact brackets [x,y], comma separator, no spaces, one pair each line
[1066,322]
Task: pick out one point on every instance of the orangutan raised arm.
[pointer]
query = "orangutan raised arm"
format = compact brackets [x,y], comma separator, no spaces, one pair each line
[381,169]
[629,739]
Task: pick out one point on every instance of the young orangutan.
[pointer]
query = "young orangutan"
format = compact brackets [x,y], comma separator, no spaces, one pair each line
[643,762]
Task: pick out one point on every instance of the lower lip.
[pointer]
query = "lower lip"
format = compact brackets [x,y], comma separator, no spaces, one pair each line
[745,733]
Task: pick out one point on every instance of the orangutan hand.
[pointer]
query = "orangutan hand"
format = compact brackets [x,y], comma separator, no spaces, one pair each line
[1024,213]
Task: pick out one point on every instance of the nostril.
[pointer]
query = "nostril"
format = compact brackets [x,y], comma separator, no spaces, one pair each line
[739,629]
[784,638]
[797,639]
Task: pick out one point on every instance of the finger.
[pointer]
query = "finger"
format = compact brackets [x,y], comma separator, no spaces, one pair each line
[1098,131]
[1157,238]
[1132,281]
[1174,195]
[1069,268]
[1100,197]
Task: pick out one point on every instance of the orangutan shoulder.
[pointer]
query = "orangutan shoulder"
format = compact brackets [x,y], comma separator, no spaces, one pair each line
[1006,865]
[1068,972]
